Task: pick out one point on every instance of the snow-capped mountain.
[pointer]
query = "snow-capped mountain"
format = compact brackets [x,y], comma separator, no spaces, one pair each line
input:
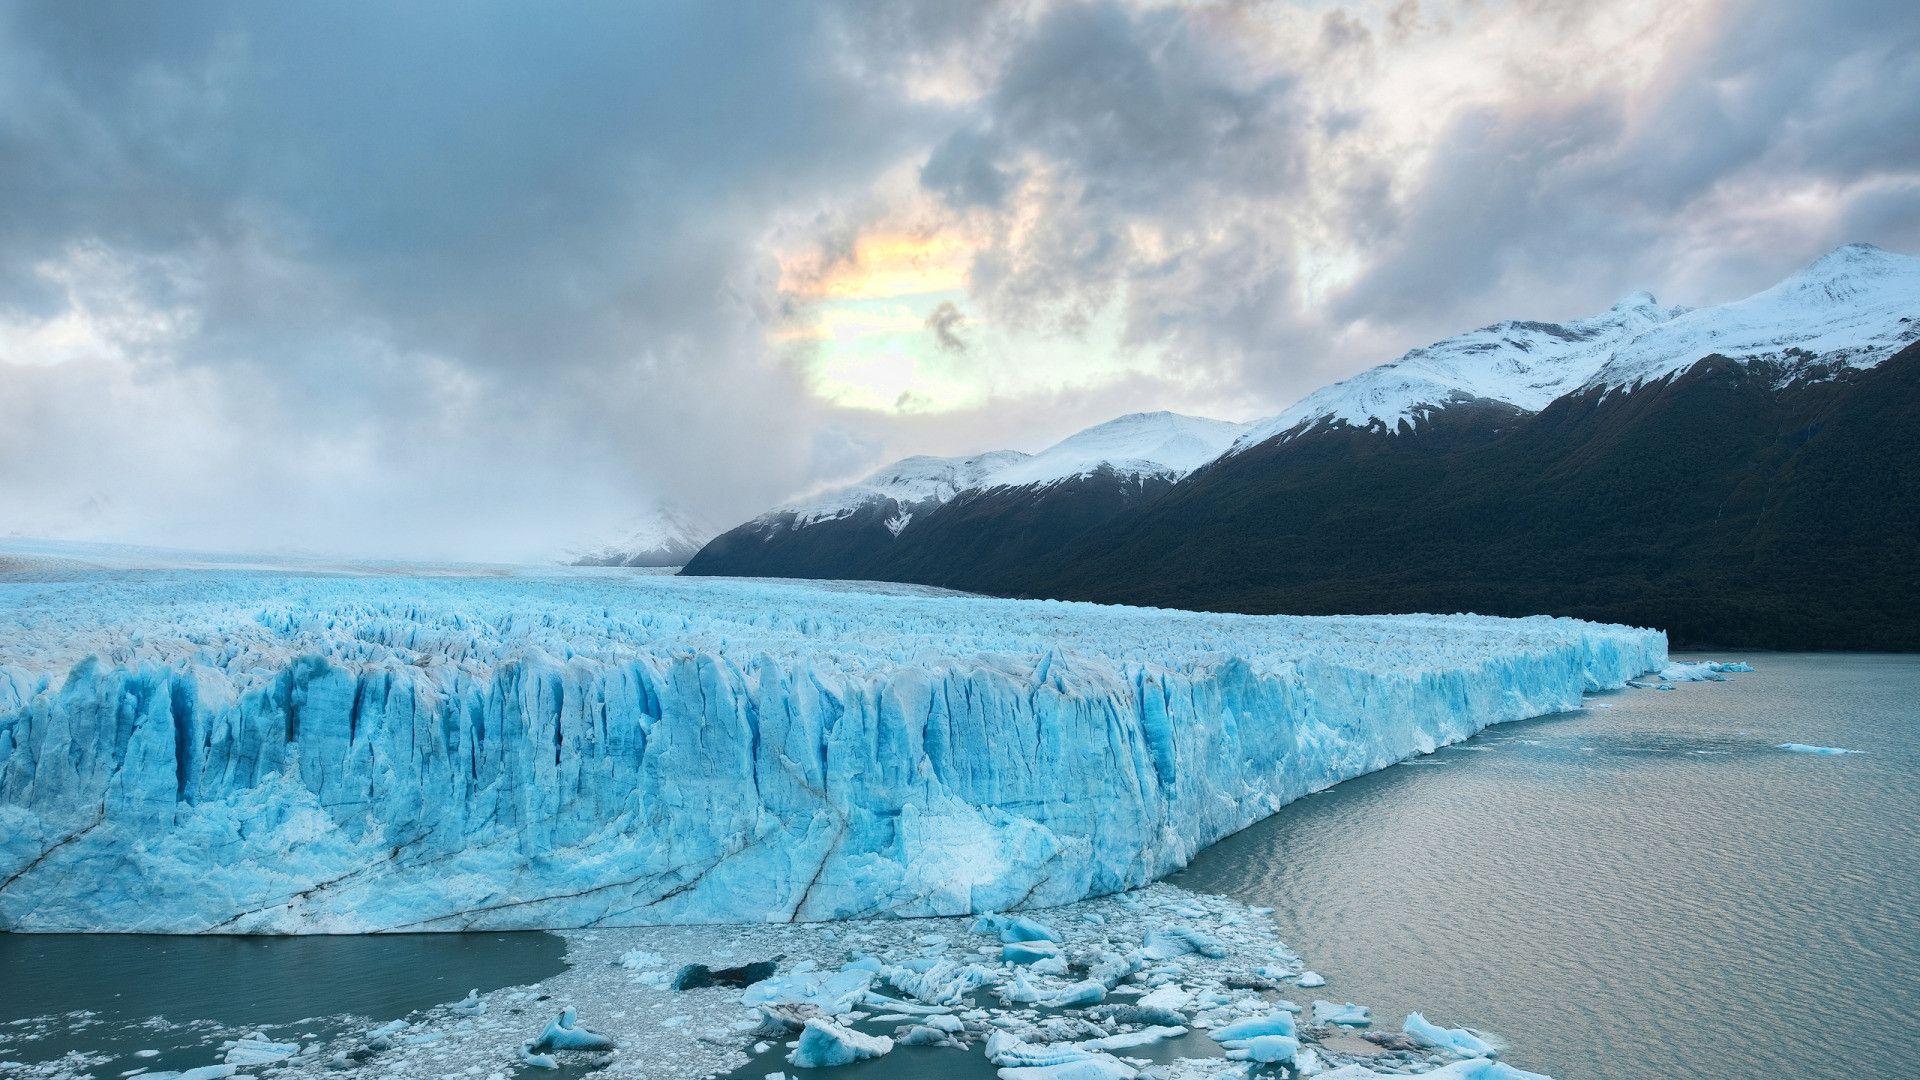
[1075,484]
[664,535]
[909,482]
[1164,444]
[1519,364]
[1854,307]
[1738,473]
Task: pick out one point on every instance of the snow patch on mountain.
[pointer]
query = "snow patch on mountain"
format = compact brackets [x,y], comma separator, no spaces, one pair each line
[1524,365]
[1165,444]
[911,482]
[1855,306]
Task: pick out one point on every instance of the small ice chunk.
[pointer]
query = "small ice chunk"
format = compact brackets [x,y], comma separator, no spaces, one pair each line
[1349,1014]
[825,1043]
[563,1033]
[1111,967]
[1020,990]
[208,1072]
[1803,748]
[1012,928]
[1019,1060]
[1127,1039]
[535,1059]
[1171,996]
[832,992]
[1026,952]
[1735,666]
[922,1035]
[943,983]
[1678,672]
[1079,995]
[1310,979]
[1165,944]
[1266,1049]
[1098,1067]
[1460,1042]
[1008,1050]
[1274,1023]
[471,1005]
[257,1049]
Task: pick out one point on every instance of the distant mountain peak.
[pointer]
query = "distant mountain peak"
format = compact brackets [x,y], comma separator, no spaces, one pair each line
[1520,363]
[1847,306]
[910,481]
[663,534]
[1162,443]
[1846,273]
[1641,301]
[1853,306]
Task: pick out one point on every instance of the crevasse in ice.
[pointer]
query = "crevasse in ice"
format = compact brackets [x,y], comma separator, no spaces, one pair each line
[245,750]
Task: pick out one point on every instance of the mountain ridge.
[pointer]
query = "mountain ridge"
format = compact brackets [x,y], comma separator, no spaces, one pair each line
[1698,428]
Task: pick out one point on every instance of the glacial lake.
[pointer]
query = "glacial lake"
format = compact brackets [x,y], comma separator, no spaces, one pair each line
[173,998]
[1644,888]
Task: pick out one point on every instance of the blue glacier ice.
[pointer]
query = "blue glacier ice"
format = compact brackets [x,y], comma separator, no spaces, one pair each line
[1459,1041]
[244,749]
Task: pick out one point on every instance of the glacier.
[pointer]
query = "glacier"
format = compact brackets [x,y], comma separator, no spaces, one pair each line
[244,749]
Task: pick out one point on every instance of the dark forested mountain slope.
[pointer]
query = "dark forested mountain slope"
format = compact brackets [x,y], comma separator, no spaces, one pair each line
[1739,475]
[1717,504]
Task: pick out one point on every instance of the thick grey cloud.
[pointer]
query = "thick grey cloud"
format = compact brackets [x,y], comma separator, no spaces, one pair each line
[473,241]
[480,279]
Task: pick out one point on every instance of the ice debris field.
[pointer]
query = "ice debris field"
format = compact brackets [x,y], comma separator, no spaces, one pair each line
[1155,984]
[251,750]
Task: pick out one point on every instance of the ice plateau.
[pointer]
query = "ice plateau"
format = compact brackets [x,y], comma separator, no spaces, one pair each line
[247,750]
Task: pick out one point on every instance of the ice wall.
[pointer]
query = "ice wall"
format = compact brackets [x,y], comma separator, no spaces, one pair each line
[252,751]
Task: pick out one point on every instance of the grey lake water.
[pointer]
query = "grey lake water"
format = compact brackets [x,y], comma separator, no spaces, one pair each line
[1645,888]
[159,1002]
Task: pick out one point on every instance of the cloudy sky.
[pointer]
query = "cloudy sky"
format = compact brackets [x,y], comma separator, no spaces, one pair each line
[483,280]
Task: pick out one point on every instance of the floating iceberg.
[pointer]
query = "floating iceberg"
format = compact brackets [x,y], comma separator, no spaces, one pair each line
[1458,1041]
[564,1033]
[1265,1049]
[832,992]
[257,1049]
[1702,672]
[1803,748]
[1275,1023]
[1013,928]
[247,751]
[1345,1013]
[824,1043]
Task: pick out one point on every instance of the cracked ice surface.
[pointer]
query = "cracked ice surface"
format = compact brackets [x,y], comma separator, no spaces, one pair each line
[251,750]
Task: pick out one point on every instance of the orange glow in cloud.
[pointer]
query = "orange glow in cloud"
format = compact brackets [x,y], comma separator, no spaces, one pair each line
[882,265]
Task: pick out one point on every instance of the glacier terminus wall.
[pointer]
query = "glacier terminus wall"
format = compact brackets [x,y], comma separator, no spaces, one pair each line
[251,750]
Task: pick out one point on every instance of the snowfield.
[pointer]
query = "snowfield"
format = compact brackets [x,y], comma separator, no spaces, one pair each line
[321,751]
